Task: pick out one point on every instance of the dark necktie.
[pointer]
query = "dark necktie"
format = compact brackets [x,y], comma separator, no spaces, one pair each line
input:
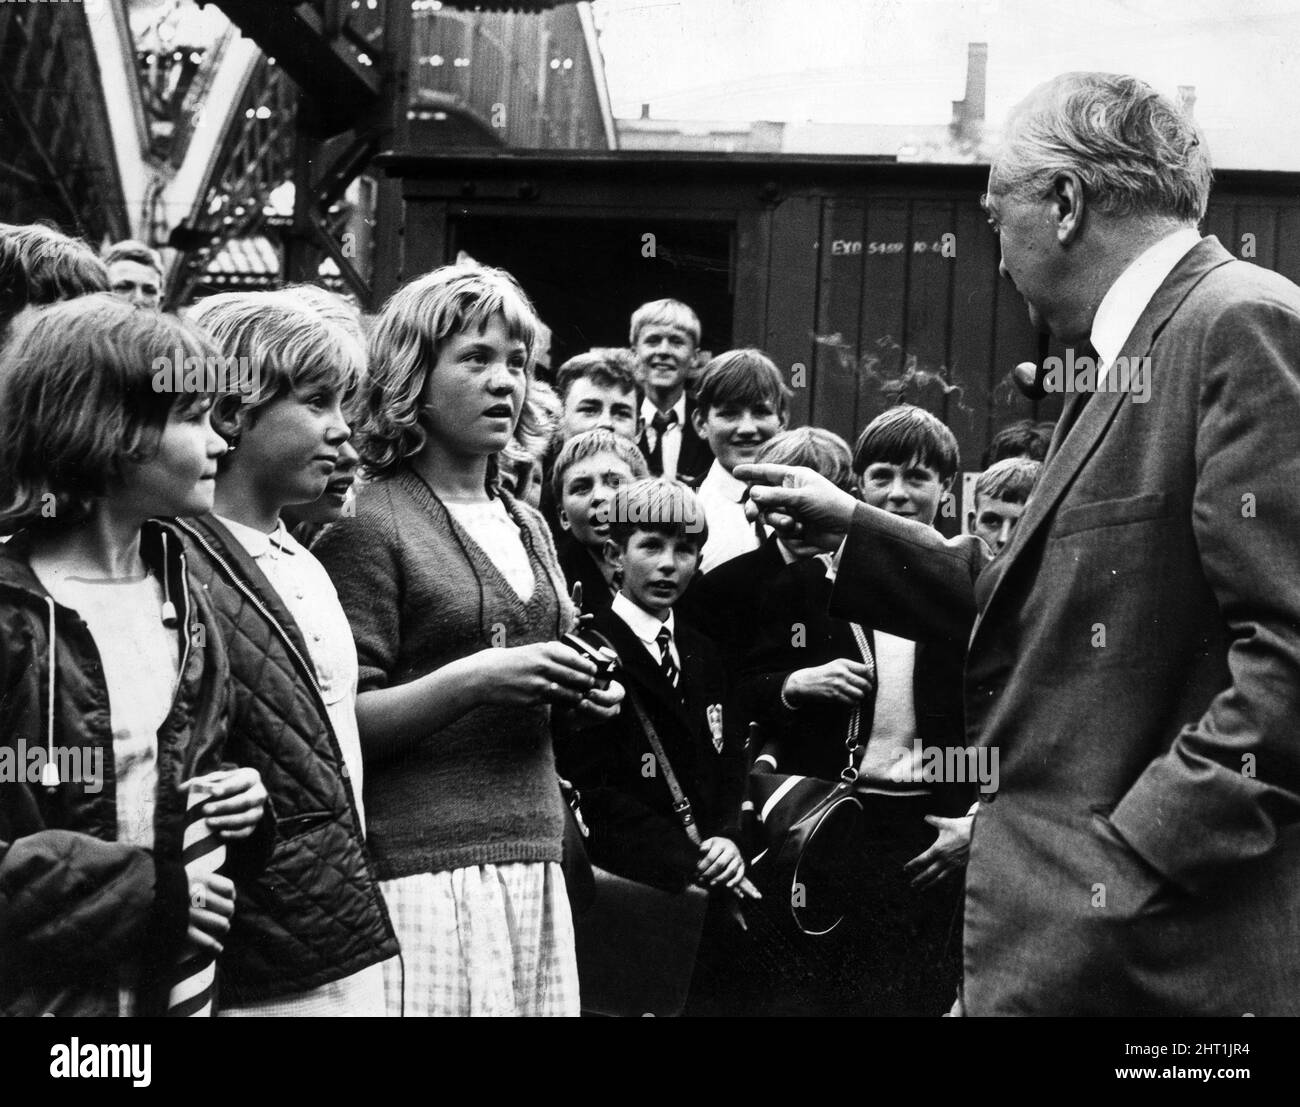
[660,424]
[667,666]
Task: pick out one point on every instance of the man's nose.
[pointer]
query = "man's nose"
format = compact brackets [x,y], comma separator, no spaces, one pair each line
[747,425]
[898,490]
[1004,533]
[1002,269]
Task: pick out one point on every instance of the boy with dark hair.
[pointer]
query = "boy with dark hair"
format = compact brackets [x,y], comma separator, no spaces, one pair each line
[1001,494]
[1023,438]
[742,402]
[665,338]
[905,442]
[600,389]
[902,698]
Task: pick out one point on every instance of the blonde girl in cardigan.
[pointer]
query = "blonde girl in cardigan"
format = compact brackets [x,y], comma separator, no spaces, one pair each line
[456,602]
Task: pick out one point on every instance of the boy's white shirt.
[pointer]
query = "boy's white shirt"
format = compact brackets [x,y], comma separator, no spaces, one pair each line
[646,627]
[731,533]
[672,450]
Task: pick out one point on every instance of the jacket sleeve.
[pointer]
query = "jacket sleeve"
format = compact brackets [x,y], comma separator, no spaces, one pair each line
[1228,789]
[69,902]
[906,579]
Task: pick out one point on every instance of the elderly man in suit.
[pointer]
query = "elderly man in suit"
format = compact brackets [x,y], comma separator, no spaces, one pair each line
[1135,651]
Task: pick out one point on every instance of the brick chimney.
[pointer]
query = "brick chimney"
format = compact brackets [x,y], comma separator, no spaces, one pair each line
[968,113]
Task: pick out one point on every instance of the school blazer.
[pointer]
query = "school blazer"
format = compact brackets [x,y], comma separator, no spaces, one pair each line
[625,799]
[1134,662]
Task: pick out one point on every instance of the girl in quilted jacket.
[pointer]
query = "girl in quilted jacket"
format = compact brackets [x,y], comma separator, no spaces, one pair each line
[456,602]
[112,679]
[312,929]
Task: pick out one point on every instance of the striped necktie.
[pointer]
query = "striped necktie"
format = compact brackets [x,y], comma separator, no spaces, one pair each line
[194,993]
[667,665]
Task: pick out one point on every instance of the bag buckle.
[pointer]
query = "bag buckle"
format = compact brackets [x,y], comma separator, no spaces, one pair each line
[683,811]
[849,775]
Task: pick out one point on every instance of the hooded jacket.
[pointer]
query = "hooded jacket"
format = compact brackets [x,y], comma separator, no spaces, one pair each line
[75,904]
[315,914]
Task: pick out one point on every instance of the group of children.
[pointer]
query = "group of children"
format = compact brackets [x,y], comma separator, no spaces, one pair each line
[373,727]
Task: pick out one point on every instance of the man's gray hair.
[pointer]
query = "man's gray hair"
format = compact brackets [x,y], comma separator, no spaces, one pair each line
[1136,152]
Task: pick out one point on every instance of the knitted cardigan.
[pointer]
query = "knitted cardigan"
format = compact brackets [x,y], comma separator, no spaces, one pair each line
[419,594]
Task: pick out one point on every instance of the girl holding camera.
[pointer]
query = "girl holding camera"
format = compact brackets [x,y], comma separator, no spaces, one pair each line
[457,603]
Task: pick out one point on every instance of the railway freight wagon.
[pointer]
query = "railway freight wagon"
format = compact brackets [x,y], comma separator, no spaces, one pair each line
[865,280]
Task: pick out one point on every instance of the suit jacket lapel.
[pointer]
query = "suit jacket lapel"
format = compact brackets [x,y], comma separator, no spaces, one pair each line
[1080,441]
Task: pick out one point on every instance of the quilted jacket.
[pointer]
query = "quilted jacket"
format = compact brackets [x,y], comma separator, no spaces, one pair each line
[74,903]
[315,914]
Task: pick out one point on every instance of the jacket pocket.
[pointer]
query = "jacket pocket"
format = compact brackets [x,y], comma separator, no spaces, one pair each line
[295,826]
[1110,513]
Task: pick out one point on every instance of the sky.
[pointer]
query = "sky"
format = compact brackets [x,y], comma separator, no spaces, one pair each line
[904,61]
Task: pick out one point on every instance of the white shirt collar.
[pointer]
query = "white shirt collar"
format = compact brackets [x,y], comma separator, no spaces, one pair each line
[644,625]
[721,483]
[1128,297]
[649,411]
[256,543]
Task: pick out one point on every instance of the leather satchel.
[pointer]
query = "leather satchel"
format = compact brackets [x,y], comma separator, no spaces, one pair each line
[807,835]
[636,944]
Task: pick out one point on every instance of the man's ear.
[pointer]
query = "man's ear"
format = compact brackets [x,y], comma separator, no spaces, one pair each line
[563,517]
[230,416]
[1068,206]
[698,418]
[970,522]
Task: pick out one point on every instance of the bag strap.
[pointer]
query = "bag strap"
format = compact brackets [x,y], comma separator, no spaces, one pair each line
[681,805]
[853,743]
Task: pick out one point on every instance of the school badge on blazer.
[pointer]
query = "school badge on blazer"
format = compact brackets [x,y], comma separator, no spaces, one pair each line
[714,715]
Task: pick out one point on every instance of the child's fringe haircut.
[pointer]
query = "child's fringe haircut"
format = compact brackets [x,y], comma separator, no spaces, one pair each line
[407,339]
[589,444]
[665,313]
[1012,479]
[746,377]
[288,343]
[77,399]
[906,433]
[660,506]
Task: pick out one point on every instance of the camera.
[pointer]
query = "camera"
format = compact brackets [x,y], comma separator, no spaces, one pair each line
[596,648]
